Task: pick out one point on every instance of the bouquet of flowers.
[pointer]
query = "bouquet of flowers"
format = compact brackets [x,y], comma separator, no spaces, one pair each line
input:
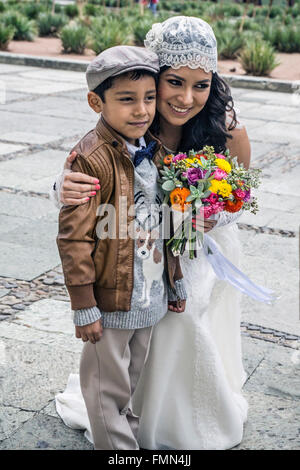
[205,183]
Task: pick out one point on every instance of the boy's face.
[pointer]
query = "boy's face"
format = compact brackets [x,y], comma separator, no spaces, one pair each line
[129,106]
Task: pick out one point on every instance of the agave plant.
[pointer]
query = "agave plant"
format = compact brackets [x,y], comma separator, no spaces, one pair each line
[6,35]
[49,24]
[71,10]
[230,43]
[141,28]
[74,38]
[24,29]
[32,10]
[258,58]
[108,33]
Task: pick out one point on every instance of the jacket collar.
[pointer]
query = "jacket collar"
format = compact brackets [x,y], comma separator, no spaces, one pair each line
[107,133]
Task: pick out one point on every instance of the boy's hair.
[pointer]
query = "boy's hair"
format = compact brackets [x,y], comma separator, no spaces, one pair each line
[134,75]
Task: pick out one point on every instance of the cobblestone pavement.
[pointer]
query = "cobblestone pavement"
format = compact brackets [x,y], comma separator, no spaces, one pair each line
[43,112]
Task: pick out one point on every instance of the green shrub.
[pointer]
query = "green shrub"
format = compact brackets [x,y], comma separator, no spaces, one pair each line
[90,10]
[2,7]
[276,11]
[166,5]
[49,24]
[248,24]
[71,10]
[141,28]
[262,11]
[295,10]
[233,10]
[258,58]
[24,29]
[108,32]
[58,8]
[288,39]
[229,42]
[74,38]
[32,10]
[6,35]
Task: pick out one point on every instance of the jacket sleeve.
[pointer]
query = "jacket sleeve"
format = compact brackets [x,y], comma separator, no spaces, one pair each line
[76,242]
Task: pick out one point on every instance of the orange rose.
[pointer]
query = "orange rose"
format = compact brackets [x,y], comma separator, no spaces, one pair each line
[168,160]
[199,155]
[232,206]
[178,199]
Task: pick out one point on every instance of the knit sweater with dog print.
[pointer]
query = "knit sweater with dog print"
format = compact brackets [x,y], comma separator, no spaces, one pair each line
[150,295]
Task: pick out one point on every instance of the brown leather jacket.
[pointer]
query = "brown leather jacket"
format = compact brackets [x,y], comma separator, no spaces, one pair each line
[100,272]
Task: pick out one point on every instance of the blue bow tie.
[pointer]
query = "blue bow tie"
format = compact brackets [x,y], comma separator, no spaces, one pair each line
[146,152]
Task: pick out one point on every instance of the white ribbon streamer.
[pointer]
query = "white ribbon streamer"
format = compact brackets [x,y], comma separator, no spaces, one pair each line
[226,271]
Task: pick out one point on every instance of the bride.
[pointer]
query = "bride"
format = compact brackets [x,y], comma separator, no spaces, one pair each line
[189,394]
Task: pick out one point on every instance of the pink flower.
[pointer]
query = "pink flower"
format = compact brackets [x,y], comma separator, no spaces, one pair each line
[212,198]
[239,193]
[207,211]
[219,174]
[179,156]
[218,207]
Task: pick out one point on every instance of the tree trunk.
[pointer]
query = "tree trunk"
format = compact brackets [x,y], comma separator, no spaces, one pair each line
[142,7]
[53,7]
[269,10]
[244,16]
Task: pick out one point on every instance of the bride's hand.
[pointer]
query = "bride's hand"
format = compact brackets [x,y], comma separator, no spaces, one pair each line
[201,224]
[77,187]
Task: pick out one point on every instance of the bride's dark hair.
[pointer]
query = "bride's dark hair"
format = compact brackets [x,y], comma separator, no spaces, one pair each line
[208,127]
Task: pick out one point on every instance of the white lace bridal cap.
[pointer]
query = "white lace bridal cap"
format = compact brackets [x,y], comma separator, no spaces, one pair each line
[184,41]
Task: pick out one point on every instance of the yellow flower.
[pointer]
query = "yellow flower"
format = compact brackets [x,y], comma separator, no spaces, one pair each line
[223,165]
[220,187]
[190,161]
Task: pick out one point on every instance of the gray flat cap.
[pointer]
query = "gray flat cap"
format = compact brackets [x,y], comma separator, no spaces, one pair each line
[117,60]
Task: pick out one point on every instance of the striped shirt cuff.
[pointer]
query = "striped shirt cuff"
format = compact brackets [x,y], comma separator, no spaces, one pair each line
[85,316]
[180,291]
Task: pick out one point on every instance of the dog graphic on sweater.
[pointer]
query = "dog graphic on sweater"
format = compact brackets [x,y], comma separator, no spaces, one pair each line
[147,251]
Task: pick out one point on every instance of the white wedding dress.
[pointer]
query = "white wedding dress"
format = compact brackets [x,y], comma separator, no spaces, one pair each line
[189,394]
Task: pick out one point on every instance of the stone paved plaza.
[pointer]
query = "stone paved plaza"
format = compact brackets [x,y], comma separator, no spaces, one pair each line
[43,113]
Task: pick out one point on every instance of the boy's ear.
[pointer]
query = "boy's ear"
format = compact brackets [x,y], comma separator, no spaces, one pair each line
[94,101]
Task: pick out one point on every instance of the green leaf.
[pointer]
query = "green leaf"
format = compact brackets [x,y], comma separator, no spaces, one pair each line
[198,203]
[168,186]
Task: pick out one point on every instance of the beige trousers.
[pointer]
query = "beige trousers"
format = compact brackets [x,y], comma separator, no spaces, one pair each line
[109,372]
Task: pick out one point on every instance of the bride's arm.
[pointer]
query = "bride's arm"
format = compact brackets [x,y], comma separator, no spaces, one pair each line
[72,188]
[239,146]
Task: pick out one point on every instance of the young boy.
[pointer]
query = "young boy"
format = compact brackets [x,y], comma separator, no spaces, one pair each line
[117,284]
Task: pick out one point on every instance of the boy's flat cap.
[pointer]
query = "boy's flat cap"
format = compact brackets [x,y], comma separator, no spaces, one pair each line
[117,60]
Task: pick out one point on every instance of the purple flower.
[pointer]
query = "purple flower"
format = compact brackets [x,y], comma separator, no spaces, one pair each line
[195,174]
[248,195]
